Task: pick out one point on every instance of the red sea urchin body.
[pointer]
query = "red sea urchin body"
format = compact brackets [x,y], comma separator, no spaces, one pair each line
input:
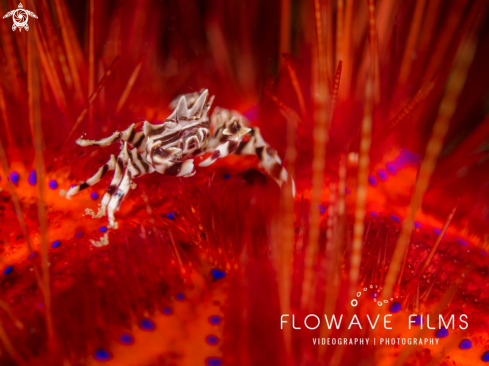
[381,127]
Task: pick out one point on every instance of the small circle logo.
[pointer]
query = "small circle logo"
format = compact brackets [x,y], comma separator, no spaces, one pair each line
[20,17]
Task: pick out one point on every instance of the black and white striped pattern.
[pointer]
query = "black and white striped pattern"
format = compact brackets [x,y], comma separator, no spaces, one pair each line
[230,135]
[169,148]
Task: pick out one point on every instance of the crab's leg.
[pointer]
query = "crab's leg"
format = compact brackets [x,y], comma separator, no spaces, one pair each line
[135,139]
[139,165]
[229,139]
[269,159]
[120,193]
[110,165]
[136,167]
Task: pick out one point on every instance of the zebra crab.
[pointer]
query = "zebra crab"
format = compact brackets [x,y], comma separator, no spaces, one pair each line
[169,148]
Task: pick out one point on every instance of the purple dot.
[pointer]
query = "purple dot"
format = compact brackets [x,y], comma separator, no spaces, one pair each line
[215,320]
[395,218]
[465,344]
[94,196]
[213,361]
[227,176]
[8,270]
[56,244]
[32,255]
[32,179]
[382,174]
[212,339]
[441,333]
[462,242]
[395,307]
[79,234]
[372,180]
[485,357]
[171,215]
[147,324]
[412,158]
[391,168]
[418,320]
[180,296]
[102,229]
[14,177]
[373,295]
[322,209]
[217,274]
[417,224]
[437,231]
[126,339]
[102,355]
[374,214]
[53,184]
[167,310]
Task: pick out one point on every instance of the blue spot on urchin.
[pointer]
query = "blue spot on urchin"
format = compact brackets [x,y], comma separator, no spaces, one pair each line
[372,180]
[53,184]
[8,270]
[102,229]
[441,333]
[322,209]
[32,255]
[56,244]
[418,320]
[412,157]
[167,310]
[395,307]
[102,355]
[401,161]
[212,339]
[213,361]
[465,344]
[79,234]
[180,296]
[147,324]
[217,274]
[417,225]
[462,242]
[94,196]
[215,320]
[485,357]
[373,295]
[32,179]
[126,339]
[374,214]
[391,168]
[437,231]
[227,176]
[395,218]
[14,177]
[171,215]
[382,174]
